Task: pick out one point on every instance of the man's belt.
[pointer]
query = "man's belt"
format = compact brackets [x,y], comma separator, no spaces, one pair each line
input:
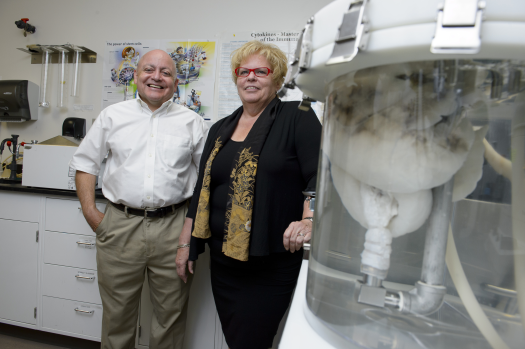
[149,213]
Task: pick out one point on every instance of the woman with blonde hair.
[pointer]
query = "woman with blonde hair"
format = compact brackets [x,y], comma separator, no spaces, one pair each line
[248,203]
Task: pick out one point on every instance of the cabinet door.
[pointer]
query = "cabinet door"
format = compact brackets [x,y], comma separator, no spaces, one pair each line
[18,270]
[64,215]
[70,250]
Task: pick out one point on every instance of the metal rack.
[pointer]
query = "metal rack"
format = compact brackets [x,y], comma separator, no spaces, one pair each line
[88,56]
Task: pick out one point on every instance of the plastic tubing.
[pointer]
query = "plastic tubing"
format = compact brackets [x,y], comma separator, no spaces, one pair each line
[77,58]
[62,77]
[46,56]
[518,201]
[467,296]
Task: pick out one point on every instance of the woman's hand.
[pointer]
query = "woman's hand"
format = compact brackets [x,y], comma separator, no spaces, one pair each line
[181,261]
[297,234]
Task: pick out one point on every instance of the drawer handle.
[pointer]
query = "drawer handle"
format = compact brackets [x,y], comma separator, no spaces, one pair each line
[78,276]
[86,243]
[90,312]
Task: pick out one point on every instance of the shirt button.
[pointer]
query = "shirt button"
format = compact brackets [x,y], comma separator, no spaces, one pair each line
[151,135]
[149,176]
[149,155]
[153,116]
[147,197]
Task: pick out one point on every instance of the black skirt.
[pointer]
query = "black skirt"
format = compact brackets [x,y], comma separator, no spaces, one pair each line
[252,297]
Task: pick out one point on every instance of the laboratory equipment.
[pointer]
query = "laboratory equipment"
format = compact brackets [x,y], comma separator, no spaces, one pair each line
[63,65]
[77,59]
[18,100]
[419,224]
[46,164]
[11,142]
[46,61]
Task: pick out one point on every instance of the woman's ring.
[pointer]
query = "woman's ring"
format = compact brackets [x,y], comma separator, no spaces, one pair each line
[300,234]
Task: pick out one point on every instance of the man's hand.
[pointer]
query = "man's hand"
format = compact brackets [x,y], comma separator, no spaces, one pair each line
[93,217]
[86,193]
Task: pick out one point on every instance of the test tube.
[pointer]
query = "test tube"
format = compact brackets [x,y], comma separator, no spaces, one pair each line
[77,59]
[62,76]
[46,59]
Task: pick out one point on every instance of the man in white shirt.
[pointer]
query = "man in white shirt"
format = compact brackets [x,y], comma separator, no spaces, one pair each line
[154,148]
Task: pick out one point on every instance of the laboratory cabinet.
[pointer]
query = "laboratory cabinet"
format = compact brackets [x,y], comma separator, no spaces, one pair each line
[48,273]
[18,271]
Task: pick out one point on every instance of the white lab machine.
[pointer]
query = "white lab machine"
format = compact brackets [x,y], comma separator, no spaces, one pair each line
[46,164]
[419,223]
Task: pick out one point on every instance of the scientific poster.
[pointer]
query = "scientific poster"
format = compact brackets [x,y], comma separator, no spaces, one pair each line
[228,98]
[195,62]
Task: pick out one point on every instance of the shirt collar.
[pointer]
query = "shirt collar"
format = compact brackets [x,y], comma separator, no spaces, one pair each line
[144,105]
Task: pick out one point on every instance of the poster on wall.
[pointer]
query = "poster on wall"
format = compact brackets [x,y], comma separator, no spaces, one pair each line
[229,99]
[194,61]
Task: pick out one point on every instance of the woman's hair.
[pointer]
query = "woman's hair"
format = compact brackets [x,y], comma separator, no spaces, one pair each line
[272,53]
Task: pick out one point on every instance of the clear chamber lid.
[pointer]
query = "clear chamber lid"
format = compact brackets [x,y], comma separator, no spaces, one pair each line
[419,236]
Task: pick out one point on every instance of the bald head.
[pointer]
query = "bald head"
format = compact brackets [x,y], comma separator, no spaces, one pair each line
[156,78]
[159,52]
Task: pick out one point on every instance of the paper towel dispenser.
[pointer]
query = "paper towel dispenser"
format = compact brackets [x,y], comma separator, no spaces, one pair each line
[18,100]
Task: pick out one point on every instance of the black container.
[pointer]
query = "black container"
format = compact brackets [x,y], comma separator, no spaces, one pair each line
[74,127]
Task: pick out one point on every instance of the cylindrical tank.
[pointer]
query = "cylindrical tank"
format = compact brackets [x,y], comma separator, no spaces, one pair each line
[419,223]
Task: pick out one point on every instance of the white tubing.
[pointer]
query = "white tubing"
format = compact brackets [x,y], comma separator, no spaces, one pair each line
[467,296]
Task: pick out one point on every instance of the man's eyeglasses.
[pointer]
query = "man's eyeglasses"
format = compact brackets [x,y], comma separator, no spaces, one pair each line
[260,72]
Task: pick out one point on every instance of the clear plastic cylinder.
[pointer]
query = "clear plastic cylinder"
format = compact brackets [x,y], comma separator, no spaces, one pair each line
[419,226]
[63,65]
[46,60]
[77,59]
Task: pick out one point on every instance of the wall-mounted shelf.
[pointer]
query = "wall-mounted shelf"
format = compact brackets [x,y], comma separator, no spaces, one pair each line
[88,56]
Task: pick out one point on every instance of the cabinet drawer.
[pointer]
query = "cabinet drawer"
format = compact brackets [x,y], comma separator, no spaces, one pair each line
[66,216]
[20,206]
[70,250]
[70,283]
[71,316]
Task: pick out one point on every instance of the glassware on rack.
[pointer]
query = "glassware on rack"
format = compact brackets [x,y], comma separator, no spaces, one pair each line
[63,65]
[77,59]
[46,60]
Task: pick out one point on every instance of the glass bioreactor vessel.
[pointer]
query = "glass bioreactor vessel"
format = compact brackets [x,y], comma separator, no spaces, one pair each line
[419,223]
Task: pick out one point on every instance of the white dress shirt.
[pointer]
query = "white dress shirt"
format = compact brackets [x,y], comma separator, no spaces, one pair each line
[153,156]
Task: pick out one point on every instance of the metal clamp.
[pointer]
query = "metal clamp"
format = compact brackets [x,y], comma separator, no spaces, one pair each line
[353,34]
[306,103]
[301,60]
[310,197]
[86,243]
[458,27]
[78,276]
[89,312]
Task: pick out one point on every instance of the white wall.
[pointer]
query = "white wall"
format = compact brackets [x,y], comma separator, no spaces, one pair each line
[91,23]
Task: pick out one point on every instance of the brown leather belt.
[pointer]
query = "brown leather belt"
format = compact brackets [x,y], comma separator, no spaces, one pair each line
[149,213]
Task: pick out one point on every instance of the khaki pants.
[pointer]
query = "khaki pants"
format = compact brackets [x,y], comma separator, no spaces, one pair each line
[126,247]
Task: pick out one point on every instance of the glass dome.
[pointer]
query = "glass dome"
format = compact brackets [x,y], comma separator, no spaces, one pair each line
[419,237]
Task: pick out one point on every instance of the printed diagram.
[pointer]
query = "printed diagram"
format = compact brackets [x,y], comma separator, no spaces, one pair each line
[195,70]
[124,74]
